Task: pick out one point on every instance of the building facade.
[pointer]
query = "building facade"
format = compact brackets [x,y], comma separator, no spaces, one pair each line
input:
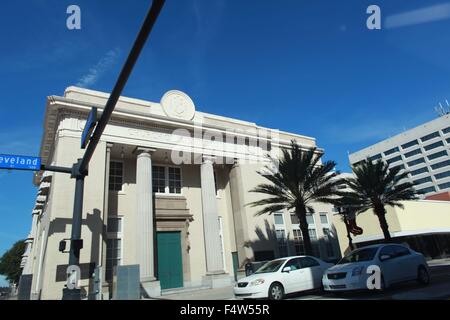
[167,190]
[424,225]
[424,151]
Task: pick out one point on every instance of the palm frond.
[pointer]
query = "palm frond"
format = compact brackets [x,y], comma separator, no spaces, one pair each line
[300,180]
[376,184]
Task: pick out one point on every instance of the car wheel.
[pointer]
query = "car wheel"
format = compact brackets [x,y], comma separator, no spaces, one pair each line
[276,291]
[423,276]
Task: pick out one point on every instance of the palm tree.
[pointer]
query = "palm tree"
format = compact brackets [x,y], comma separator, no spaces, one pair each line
[375,186]
[299,181]
[347,212]
[344,218]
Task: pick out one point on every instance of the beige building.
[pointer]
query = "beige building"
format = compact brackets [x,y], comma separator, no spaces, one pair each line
[163,167]
[423,224]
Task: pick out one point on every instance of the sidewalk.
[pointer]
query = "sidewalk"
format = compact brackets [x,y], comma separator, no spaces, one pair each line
[201,294]
[439,262]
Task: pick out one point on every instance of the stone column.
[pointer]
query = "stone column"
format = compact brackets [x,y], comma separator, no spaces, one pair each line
[34,237]
[239,213]
[144,219]
[27,258]
[214,262]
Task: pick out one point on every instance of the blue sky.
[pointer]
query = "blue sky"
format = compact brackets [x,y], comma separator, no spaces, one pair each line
[310,67]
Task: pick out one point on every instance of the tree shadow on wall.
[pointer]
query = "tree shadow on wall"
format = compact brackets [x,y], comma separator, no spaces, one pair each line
[268,246]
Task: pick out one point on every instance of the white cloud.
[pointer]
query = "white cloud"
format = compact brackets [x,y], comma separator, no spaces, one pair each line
[99,69]
[419,16]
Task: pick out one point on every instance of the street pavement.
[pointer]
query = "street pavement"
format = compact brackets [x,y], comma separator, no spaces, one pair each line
[202,294]
[439,288]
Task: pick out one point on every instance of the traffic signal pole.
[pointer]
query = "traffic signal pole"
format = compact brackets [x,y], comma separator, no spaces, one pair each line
[72,292]
[80,169]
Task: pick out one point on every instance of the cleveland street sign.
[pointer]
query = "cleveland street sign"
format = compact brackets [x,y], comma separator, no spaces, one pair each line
[15,162]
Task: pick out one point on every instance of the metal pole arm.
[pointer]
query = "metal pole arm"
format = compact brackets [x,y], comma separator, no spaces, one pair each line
[79,170]
[122,80]
[56,169]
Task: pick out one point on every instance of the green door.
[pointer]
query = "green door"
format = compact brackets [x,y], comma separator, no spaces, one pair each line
[170,265]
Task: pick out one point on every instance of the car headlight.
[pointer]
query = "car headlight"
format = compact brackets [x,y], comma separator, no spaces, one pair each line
[257,282]
[357,271]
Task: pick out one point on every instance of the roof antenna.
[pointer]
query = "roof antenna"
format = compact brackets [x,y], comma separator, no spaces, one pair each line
[440,110]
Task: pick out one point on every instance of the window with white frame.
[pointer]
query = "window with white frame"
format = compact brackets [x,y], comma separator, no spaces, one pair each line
[113,256]
[115,175]
[327,234]
[294,219]
[174,180]
[282,243]
[159,179]
[323,218]
[114,225]
[298,237]
[280,232]
[314,243]
[113,245]
[310,221]
[278,217]
[313,234]
[298,242]
[166,180]
[327,239]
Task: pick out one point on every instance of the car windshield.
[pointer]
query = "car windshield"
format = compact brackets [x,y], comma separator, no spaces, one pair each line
[359,255]
[271,266]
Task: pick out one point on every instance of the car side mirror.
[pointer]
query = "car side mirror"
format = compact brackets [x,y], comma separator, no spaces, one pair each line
[287,269]
[385,257]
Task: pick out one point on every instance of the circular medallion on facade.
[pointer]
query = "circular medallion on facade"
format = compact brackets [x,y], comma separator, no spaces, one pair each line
[177,104]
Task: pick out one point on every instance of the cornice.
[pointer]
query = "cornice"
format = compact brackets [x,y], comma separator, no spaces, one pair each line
[59,108]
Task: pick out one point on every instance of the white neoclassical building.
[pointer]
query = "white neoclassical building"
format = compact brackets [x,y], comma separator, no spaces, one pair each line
[167,190]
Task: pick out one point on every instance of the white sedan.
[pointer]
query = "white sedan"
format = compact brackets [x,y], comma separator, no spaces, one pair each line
[397,263]
[282,276]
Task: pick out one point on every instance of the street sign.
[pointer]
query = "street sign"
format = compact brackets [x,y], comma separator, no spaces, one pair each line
[89,128]
[15,162]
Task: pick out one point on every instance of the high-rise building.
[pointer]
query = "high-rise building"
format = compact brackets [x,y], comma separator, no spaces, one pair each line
[424,151]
